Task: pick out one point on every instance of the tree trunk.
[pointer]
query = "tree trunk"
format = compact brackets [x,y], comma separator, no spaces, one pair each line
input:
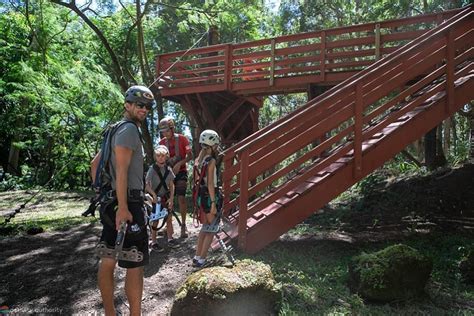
[447,136]
[13,159]
[430,149]
[418,147]
[313,92]
[471,139]
[434,156]
[148,142]
[440,156]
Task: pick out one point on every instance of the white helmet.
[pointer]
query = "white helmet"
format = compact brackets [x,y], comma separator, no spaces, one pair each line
[162,149]
[209,137]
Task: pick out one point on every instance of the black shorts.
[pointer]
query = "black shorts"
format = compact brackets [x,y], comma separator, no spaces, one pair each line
[137,239]
[181,183]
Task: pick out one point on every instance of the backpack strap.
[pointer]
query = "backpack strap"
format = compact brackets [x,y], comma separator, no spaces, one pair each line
[204,170]
[176,147]
[103,173]
[162,179]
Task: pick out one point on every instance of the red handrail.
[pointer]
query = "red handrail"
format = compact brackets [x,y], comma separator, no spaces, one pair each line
[347,111]
[270,55]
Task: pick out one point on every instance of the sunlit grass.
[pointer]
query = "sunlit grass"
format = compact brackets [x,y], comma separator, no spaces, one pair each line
[48,210]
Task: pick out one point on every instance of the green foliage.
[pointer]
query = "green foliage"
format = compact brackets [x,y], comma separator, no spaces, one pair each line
[59,87]
[370,182]
[303,16]
[313,276]
[56,98]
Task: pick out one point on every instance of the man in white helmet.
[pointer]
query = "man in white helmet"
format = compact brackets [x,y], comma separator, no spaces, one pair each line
[180,153]
[125,168]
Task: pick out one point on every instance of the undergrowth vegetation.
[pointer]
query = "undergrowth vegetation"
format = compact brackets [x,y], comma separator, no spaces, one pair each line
[416,209]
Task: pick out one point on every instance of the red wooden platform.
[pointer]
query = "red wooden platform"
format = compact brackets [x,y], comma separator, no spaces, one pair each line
[221,86]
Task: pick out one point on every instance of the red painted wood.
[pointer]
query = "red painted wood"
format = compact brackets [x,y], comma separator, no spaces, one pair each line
[243,200]
[365,129]
[195,63]
[393,133]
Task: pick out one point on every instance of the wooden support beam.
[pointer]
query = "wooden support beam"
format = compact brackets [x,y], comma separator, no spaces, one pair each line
[188,106]
[228,67]
[239,124]
[323,56]
[377,41]
[243,199]
[272,62]
[358,132]
[450,62]
[231,109]
[257,101]
[208,115]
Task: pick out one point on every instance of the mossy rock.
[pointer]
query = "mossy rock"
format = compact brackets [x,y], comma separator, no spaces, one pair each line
[248,288]
[466,267]
[395,273]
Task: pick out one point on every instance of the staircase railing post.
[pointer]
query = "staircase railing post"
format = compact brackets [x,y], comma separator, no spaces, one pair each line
[323,56]
[358,131]
[228,67]
[226,184]
[450,71]
[377,41]
[272,62]
[243,199]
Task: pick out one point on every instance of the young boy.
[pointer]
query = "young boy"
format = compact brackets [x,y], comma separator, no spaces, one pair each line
[159,184]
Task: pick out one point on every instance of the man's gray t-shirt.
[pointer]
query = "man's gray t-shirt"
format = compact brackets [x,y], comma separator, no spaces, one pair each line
[128,136]
[152,176]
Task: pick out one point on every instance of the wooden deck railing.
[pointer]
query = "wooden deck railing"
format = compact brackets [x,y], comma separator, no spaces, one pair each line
[309,56]
[271,163]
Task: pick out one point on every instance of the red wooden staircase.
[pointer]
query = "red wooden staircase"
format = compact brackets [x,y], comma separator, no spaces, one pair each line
[278,176]
[416,75]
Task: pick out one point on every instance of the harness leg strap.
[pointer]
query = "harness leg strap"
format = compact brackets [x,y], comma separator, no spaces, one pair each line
[118,253]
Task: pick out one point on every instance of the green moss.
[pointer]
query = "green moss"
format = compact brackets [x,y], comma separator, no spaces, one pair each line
[218,282]
[396,272]
[374,267]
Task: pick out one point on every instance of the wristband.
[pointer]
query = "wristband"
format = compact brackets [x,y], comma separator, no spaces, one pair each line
[213,201]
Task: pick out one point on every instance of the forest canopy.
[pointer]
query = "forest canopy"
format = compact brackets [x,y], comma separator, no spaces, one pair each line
[65,66]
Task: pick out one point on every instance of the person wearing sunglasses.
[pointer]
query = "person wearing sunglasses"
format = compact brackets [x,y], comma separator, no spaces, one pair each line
[126,173]
[180,153]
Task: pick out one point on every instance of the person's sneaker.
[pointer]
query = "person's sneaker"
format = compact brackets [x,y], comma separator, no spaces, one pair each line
[156,247]
[199,263]
[184,233]
[172,243]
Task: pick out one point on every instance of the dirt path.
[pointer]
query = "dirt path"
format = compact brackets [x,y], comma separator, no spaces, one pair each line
[56,272]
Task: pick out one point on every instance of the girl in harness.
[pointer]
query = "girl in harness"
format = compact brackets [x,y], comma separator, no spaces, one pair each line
[208,192]
[159,184]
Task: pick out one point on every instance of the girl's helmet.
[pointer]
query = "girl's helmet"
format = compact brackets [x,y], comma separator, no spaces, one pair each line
[139,94]
[209,137]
